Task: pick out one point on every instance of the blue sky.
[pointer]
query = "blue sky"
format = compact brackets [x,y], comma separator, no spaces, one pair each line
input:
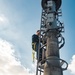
[19,19]
[69,21]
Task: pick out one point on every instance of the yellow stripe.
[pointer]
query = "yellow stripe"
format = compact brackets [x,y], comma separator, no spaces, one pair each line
[34,45]
[33,55]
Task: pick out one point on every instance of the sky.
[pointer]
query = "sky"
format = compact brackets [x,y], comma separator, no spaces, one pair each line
[19,20]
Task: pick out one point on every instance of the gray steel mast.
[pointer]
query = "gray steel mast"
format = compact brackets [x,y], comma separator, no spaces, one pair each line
[51,29]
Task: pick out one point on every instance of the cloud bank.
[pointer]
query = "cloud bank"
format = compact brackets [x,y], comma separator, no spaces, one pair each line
[9,65]
[71,66]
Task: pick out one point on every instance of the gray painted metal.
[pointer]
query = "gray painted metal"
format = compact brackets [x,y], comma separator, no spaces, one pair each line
[52,64]
[58,3]
[52,34]
[52,39]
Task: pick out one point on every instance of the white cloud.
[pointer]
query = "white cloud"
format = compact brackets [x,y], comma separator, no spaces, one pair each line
[9,65]
[71,66]
[3,19]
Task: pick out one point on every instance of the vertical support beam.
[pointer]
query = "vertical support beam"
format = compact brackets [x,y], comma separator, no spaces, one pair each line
[53,37]
[52,64]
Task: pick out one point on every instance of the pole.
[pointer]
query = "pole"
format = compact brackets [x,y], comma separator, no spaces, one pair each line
[53,63]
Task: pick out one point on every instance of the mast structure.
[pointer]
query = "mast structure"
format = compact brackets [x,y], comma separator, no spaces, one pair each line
[51,30]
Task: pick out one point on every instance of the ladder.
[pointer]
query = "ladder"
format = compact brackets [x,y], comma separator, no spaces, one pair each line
[40,65]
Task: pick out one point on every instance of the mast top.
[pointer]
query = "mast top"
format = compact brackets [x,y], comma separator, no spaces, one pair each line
[57,2]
